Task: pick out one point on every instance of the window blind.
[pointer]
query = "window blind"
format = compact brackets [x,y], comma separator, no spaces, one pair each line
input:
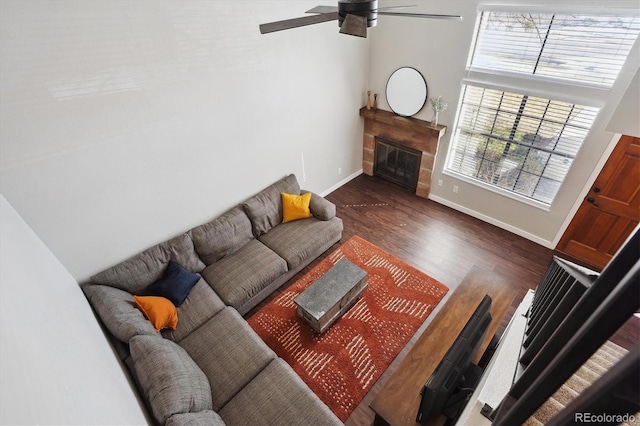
[587,49]
[517,138]
[520,143]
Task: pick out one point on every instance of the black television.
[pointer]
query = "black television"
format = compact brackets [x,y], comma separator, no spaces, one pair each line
[449,387]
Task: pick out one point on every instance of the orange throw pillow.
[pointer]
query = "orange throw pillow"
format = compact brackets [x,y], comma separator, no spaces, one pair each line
[295,207]
[159,310]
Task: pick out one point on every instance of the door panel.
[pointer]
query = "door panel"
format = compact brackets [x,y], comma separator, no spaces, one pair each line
[610,211]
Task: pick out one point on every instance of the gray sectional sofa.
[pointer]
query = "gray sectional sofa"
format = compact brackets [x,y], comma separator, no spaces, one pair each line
[213,368]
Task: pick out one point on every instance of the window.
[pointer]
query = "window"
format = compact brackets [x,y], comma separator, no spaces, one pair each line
[519,143]
[579,48]
[521,139]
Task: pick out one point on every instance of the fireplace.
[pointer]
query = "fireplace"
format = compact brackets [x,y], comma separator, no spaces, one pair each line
[409,149]
[397,163]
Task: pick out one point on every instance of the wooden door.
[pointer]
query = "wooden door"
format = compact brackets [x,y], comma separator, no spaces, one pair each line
[610,211]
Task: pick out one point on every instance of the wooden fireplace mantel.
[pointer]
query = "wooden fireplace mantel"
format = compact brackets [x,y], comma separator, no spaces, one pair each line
[408,131]
[409,123]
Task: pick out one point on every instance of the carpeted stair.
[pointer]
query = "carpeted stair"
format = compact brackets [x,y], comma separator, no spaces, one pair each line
[605,357]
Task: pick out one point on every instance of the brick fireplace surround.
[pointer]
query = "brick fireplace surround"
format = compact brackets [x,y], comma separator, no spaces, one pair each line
[408,131]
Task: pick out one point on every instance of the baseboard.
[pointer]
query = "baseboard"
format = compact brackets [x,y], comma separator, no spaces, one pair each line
[545,243]
[341,183]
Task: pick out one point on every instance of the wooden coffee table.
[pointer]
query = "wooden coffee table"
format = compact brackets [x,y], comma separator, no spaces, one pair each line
[331,295]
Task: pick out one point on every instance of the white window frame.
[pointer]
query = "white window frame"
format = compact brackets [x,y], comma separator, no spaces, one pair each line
[591,95]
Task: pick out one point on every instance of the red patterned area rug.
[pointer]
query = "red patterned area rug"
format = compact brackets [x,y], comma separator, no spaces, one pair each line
[345,362]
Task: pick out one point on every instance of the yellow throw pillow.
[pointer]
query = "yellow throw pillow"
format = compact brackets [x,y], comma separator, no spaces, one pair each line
[159,310]
[295,207]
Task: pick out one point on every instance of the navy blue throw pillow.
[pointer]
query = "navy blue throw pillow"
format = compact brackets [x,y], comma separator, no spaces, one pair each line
[175,284]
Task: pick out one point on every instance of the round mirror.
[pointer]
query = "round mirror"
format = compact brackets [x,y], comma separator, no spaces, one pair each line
[406,91]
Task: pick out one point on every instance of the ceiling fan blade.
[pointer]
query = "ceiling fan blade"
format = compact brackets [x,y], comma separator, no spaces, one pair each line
[322,9]
[354,25]
[297,22]
[422,15]
[396,7]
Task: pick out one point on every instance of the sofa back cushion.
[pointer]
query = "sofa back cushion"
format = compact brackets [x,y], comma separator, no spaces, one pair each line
[265,208]
[222,236]
[135,274]
[171,382]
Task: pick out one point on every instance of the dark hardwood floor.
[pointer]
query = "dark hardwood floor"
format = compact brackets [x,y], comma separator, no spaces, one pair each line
[441,242]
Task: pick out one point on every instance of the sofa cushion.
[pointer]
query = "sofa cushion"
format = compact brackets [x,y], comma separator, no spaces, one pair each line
[202,304]
[136,273]
[159,310]
[295,207]
[277,396]
[299,241]
[229,352]
[175,283]
[118,311]
[265,208]
[201,418]
[239,277]
[171,382]
[222,236]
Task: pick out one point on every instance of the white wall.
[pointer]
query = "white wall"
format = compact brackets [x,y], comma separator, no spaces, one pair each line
[124,123]
[439,50]
[626,118]
[56,365]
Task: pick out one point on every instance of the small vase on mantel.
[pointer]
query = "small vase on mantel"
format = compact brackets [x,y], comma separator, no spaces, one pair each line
[437,105]
[434,120]
[368,100]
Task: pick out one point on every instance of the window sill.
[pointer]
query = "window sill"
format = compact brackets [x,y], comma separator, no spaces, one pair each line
[537,204]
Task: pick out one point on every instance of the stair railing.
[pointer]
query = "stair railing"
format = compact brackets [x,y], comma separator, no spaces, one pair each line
[612,298]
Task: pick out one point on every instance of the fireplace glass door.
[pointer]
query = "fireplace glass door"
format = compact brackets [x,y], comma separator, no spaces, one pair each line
[397,163]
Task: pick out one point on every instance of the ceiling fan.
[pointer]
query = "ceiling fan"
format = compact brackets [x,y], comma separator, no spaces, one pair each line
[353,16]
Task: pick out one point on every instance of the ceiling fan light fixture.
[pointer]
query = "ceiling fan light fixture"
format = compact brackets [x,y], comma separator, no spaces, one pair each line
[364,8]
[354,25]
